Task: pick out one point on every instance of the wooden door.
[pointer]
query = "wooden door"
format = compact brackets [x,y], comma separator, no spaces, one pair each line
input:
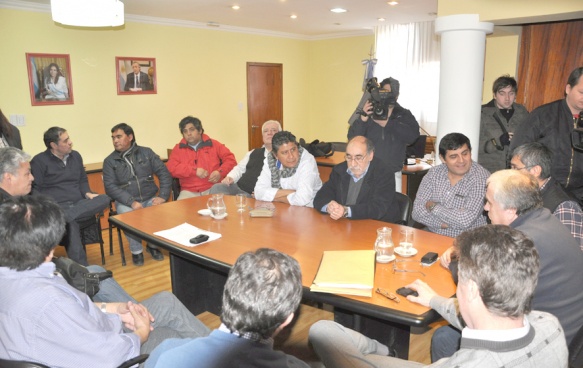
[549,52]
[264,98]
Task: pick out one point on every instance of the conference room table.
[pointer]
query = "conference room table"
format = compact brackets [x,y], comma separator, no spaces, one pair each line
[199,273]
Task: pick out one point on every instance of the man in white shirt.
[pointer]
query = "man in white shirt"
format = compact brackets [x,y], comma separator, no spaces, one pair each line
[243,177]
[289,175]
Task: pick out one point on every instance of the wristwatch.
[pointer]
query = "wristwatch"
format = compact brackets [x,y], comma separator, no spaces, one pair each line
[345,211]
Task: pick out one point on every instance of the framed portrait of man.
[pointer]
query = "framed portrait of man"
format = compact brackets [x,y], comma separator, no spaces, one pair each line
[49,79]
[136,75]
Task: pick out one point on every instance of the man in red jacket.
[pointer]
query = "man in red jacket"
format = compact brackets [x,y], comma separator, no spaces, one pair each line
[198,161]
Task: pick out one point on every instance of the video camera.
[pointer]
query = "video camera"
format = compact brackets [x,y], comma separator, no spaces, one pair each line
[381,99]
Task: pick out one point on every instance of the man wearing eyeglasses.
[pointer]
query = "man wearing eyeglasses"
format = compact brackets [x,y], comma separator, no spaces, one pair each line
[535,159]
[359,188]
[450,197]
[513,199]
[559,126]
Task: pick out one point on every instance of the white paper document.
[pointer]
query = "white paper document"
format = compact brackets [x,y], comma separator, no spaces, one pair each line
[182,234]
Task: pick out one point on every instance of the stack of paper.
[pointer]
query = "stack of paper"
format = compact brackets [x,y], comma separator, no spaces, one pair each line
[182,234]
[348,272]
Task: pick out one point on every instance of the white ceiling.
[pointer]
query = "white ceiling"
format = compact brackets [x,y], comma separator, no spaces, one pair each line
[314,18]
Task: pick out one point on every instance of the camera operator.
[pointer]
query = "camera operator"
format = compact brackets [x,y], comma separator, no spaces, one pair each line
[386,123]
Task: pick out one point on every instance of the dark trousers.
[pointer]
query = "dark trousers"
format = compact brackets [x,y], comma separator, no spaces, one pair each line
[80,210]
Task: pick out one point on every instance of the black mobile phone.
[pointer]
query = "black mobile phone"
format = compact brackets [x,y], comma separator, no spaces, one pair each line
[199,239]
[406,291]
[429,258]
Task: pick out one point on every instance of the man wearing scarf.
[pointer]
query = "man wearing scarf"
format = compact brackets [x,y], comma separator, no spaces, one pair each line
[289,175]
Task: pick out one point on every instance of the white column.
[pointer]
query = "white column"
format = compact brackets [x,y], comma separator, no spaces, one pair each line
[463,45]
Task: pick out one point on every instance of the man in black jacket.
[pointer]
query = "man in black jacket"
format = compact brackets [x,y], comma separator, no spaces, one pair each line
[554,125]
[391,136]
[59,173]
[359,188]
[128,176]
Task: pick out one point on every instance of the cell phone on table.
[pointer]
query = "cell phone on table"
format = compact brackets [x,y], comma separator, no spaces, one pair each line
[429,258]
[199,239]
[403,291]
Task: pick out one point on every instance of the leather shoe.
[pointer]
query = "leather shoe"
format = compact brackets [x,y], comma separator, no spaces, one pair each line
[138,259]
[156,254]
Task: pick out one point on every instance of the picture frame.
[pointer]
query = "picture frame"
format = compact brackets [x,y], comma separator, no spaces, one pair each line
[49,79]
[131,83]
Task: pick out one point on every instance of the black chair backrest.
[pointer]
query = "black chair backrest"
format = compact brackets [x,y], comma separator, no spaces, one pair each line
[405,207]
[20,364]
[339,146]
[576,350]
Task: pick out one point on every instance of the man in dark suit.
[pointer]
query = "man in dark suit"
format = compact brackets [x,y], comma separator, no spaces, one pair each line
[359,188]
[137,80]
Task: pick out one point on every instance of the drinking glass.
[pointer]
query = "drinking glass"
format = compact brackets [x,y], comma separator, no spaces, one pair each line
[406,240]
[240,202]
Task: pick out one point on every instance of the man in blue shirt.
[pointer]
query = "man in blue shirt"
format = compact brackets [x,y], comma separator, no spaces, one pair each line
[261,294]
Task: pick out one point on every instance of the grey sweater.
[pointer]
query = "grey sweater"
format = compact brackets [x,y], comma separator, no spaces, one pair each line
[543,346]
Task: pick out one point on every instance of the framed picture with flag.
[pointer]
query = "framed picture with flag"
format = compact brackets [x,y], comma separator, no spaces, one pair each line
[49,79]
[136,75]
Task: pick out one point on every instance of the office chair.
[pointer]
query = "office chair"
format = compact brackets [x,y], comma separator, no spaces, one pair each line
[90,231]
[405,208]
[113,212]
[175,188]
[576,350]
[23,364]
[339,146]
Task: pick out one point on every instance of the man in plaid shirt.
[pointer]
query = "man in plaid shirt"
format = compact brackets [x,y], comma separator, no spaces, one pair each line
[536,159]
[450,197]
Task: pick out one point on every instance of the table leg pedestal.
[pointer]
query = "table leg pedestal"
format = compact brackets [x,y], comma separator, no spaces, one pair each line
[198,287]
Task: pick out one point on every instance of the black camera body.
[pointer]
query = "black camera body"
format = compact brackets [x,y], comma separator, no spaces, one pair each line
[380,99]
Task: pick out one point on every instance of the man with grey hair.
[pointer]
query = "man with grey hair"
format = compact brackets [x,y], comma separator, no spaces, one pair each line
[513,199]
[359,188]
[289,175]
[492,308]
[243,177]
[536,159]
[15,175]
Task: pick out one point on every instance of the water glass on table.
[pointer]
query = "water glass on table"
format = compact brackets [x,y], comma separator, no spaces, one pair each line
[406,240]
[240,202]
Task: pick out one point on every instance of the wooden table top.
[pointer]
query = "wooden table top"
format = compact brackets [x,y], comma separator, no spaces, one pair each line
[303,233]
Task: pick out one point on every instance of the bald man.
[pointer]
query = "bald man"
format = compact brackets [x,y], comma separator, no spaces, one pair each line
[359,188]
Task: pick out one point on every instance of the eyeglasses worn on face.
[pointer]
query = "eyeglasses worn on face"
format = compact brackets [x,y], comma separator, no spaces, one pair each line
[357,158]
[520,168]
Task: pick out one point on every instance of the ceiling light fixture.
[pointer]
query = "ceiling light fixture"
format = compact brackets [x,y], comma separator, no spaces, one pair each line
[381,19]
[338,10]
[88,13]
[235,7]
[293,16]
[393,3]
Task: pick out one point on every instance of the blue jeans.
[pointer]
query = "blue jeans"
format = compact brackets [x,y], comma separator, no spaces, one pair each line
[135,242]
[445,342]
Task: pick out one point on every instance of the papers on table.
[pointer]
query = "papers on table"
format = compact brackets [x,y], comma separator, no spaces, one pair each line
[182,234]
[348,272]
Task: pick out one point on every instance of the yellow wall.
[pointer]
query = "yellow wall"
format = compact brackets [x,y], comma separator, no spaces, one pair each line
[335,84]
[498,10]
[501,58]
[200,72]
